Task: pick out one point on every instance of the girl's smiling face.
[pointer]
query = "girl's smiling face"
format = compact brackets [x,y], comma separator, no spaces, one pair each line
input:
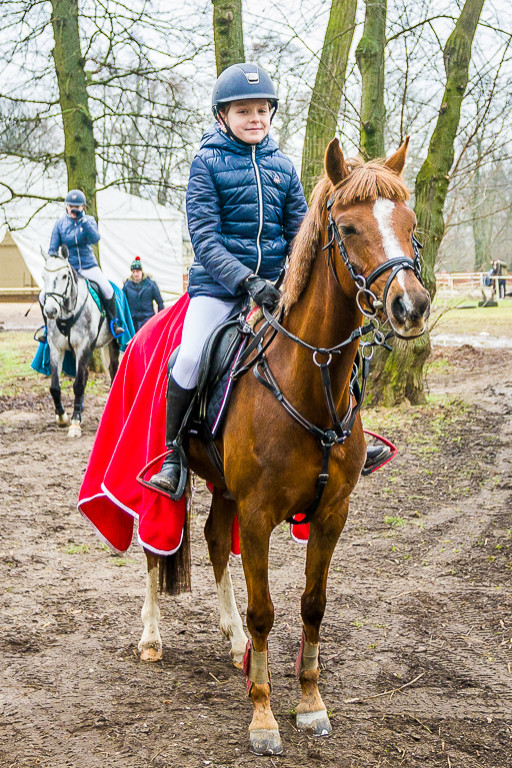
[249,119]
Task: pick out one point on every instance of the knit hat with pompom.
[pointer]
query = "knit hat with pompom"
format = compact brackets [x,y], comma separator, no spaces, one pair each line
[136,263]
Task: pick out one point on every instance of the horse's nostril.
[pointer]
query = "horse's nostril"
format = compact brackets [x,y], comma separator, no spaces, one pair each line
[398,308]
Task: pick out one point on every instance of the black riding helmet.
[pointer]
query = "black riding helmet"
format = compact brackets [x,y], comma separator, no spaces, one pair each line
[242,81]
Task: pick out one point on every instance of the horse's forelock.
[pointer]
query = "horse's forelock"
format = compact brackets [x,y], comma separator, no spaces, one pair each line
[366,182]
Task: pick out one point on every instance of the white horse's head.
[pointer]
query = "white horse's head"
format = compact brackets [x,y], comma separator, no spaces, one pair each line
[58,283]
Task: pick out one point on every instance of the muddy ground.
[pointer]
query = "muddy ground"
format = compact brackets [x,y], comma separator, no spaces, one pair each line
[416,640]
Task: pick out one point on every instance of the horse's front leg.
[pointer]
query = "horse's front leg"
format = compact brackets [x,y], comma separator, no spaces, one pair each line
[324,532]
[82,372]
[217,532]
[150,644]
[56,360]
[255,533]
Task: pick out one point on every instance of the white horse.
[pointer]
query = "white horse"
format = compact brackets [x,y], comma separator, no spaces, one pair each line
[74,323]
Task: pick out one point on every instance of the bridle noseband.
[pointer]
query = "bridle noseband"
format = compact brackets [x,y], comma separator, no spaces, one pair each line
[62,298]
[363,283]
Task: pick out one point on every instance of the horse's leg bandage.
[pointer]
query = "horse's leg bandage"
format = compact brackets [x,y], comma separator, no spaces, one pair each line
[308,657]
[255,666]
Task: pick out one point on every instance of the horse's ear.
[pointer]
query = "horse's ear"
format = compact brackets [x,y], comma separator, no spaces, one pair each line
[44,254]
[397,161]
[335,165]
[64,251]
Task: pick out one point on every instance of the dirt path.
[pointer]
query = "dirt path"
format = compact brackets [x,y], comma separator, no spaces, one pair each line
[417,636]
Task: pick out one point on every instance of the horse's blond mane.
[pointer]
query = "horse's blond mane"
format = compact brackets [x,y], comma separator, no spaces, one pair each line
[365,182]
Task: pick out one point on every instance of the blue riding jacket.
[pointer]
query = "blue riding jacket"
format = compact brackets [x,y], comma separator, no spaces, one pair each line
[79,235]
[244,207]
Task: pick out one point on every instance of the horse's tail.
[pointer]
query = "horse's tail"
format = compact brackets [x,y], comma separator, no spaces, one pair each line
[174,573]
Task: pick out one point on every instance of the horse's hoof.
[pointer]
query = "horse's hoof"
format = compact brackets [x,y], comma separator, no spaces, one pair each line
[317,723]
[237,657]
[62,419]
[75,429]
[265,742]
[151,654]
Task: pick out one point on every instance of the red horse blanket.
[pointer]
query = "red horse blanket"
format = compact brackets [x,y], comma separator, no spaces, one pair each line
[131,433]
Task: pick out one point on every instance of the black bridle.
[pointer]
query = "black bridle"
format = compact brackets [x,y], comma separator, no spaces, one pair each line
[67,303]
[363,283]
[341,427]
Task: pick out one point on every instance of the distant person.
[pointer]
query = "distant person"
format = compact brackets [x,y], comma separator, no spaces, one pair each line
[141,293]
[499,268]
[79,232]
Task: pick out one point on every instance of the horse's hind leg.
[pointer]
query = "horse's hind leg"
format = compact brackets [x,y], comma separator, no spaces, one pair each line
[82,373]
[110,358]
[150,644]
[218,536]
[324,532]
[56,359]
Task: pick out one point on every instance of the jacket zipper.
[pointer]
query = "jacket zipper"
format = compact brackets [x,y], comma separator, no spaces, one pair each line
[260,207]
[77,248]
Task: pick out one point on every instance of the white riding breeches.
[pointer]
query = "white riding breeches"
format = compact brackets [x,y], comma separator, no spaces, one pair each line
[95,274]
[203,315]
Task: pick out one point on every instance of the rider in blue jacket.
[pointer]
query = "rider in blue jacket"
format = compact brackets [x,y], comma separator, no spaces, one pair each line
[244,207]
[79,232]
[245,204]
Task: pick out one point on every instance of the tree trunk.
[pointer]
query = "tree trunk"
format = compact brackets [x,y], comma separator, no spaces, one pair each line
[325,101]
[430,192]
[79,145]
[228,33]
[370,60]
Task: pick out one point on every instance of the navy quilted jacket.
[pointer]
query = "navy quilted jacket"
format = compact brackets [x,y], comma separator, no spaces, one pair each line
[140,300]
[244,207]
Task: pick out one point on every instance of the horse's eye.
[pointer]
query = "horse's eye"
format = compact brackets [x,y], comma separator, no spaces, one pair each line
[348,230]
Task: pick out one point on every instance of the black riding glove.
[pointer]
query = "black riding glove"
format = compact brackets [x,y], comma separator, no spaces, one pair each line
[262,292]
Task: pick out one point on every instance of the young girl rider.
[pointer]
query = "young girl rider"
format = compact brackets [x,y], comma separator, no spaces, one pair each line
[79,232]
[245,204]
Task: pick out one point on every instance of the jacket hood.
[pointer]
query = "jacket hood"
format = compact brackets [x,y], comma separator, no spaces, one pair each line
[215,138]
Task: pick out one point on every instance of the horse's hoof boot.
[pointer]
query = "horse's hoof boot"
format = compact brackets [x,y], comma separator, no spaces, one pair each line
[265,742]
[317,723]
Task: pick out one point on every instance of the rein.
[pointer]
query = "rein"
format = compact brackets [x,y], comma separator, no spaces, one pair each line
[341,428]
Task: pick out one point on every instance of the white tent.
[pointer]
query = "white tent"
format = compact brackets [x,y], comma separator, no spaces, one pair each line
[129,226]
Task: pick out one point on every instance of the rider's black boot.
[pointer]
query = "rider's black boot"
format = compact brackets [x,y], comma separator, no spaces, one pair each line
[178,400]
[111,310]
[376,455]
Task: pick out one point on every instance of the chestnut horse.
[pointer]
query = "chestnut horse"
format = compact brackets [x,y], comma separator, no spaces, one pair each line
[355,256]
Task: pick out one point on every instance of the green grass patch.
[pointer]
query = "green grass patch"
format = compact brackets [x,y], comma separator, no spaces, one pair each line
[496,321]
[394,521]
[76,549]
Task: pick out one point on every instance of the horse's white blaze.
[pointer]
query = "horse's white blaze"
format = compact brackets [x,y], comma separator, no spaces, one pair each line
[150,615]
[230,621]
[383,212]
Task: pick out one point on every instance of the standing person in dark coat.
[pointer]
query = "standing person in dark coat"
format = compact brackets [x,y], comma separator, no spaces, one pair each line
[141,293]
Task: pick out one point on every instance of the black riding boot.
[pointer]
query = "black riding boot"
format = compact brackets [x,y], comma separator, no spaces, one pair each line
[178,400]
[111,309]
[376,455]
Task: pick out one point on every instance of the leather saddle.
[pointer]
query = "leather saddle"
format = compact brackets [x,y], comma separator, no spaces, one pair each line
[208,408]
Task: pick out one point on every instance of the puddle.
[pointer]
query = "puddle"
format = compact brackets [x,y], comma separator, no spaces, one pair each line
[478,340]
